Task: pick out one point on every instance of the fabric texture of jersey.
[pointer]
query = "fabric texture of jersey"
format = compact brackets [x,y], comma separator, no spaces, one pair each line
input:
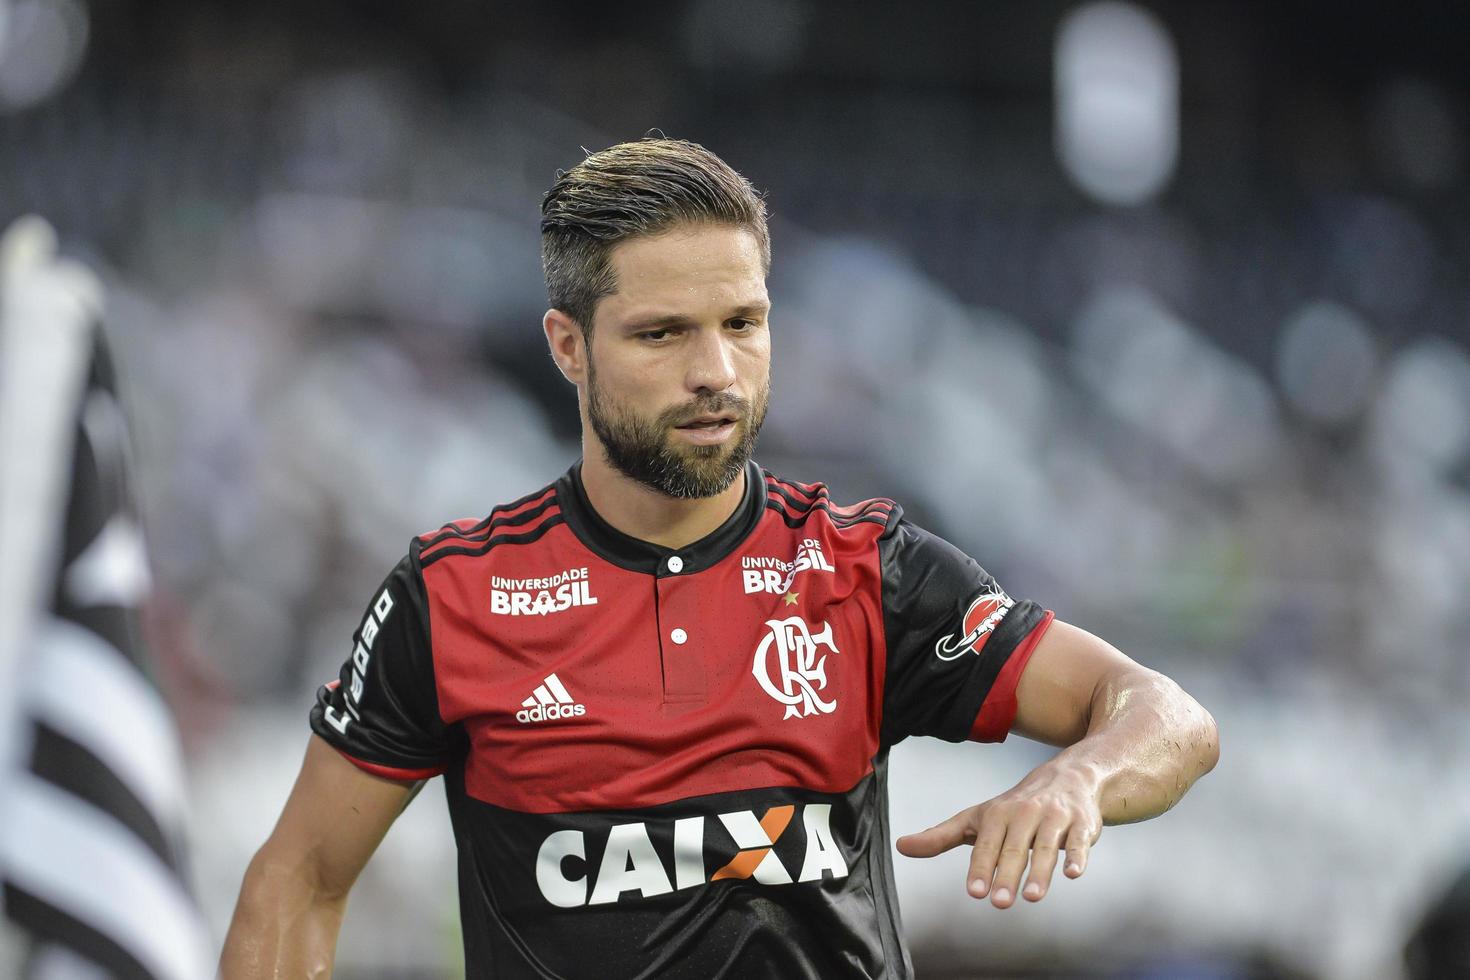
[671,762]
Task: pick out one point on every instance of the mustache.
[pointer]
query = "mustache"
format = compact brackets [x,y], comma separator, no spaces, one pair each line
[725,403]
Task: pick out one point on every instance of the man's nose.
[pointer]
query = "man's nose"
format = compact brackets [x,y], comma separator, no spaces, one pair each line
[711,364]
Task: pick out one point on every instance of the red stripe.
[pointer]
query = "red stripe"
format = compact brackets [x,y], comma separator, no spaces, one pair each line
[998,713]
[460,528]
[480,537]
[467,530]
[390,772]
[837,524]
[835,512]
[812,490]
[533,502]
[866,507]
[812,493]
[822,495]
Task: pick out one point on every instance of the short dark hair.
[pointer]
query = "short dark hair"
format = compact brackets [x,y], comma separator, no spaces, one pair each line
[640,188]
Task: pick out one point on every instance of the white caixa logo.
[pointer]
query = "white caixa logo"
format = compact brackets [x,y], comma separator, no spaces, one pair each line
[763,574]
[791,667]
[632,867]
[540,596]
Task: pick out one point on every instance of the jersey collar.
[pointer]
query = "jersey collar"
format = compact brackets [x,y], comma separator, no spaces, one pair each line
[629,552]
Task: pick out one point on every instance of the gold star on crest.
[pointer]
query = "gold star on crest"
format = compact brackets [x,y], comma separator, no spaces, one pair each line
[791,597]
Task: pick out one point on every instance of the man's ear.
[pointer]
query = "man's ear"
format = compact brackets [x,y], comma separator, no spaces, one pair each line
[568,345]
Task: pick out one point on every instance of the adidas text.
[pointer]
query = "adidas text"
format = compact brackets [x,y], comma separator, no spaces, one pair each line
[549,702]
[550,712]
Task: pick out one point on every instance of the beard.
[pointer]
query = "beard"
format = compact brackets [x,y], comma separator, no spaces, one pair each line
[643,448]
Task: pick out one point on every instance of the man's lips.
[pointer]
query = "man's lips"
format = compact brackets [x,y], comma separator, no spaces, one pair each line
[706,422]
[707,430]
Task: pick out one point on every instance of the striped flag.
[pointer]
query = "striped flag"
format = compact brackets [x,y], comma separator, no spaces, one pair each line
[91,780]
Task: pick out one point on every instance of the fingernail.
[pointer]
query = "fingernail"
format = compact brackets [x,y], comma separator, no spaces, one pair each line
[1002,895]
[1074,868]
[1033,890]
[977,888]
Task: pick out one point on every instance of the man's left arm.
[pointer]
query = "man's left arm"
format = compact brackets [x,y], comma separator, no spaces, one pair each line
[1135,744]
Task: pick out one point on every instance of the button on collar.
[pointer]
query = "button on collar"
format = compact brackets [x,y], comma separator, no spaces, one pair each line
[675,564]
[628,552]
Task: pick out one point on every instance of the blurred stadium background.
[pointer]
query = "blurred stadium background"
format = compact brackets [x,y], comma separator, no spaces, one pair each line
[1159,310]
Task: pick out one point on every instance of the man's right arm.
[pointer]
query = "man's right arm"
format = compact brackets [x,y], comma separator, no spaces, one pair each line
[295,890]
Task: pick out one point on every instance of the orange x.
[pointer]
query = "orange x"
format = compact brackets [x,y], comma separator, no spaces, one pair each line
[743,865]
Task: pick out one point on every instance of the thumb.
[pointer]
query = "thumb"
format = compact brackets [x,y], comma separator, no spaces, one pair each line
[938,838]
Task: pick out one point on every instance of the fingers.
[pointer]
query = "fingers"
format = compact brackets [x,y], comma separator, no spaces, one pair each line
[1079,845]
[1014,853]
[940,837]
[1049,838]
[1006,839]
[990,840]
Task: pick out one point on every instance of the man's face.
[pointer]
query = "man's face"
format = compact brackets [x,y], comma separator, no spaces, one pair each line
[679,366]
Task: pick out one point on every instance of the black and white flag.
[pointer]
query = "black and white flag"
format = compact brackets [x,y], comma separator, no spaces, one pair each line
[91,779]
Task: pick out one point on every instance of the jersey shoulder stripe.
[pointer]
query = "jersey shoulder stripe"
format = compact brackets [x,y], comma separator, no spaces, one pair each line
[818,492]
[873,512]
[795,503]
[796,520]
[532,532]
[799,496]
[468,529]
[522,520]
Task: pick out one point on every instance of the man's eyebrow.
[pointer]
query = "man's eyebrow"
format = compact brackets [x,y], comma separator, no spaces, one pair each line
[658,320]
[750,310]
[654,320]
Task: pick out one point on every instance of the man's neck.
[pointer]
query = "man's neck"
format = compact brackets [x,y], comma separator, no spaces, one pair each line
[641,512]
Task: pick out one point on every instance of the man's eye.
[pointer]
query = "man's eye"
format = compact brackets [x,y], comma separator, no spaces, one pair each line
[656,335]
[742,325]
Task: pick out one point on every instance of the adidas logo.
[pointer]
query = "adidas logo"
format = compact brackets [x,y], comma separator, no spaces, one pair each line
[549,702]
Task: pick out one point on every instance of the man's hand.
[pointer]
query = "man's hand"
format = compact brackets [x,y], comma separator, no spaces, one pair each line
[1054,808]
[1136,743]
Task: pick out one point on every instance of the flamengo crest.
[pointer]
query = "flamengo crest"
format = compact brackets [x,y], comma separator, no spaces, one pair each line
[789,669]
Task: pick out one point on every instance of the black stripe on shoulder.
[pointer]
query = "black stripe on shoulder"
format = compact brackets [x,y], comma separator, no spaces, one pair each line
[809,491]
[799,518]
[869,515]
[788,495]
[487,527]
[796,505]
[526,499]
[71,766]
[801,498]
[46,922]
[878,505]
[450,531]
[473,549]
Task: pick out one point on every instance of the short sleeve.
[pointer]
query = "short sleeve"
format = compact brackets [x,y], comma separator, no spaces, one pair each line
[382,711]
[956,642]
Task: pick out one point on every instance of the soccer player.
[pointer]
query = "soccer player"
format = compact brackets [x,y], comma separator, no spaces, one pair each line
[662,690]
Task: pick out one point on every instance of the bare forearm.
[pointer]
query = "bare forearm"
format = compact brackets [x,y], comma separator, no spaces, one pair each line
[284,926]
[1147,742]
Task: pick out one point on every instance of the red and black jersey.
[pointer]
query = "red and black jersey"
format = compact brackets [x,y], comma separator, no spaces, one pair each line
[671,762]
